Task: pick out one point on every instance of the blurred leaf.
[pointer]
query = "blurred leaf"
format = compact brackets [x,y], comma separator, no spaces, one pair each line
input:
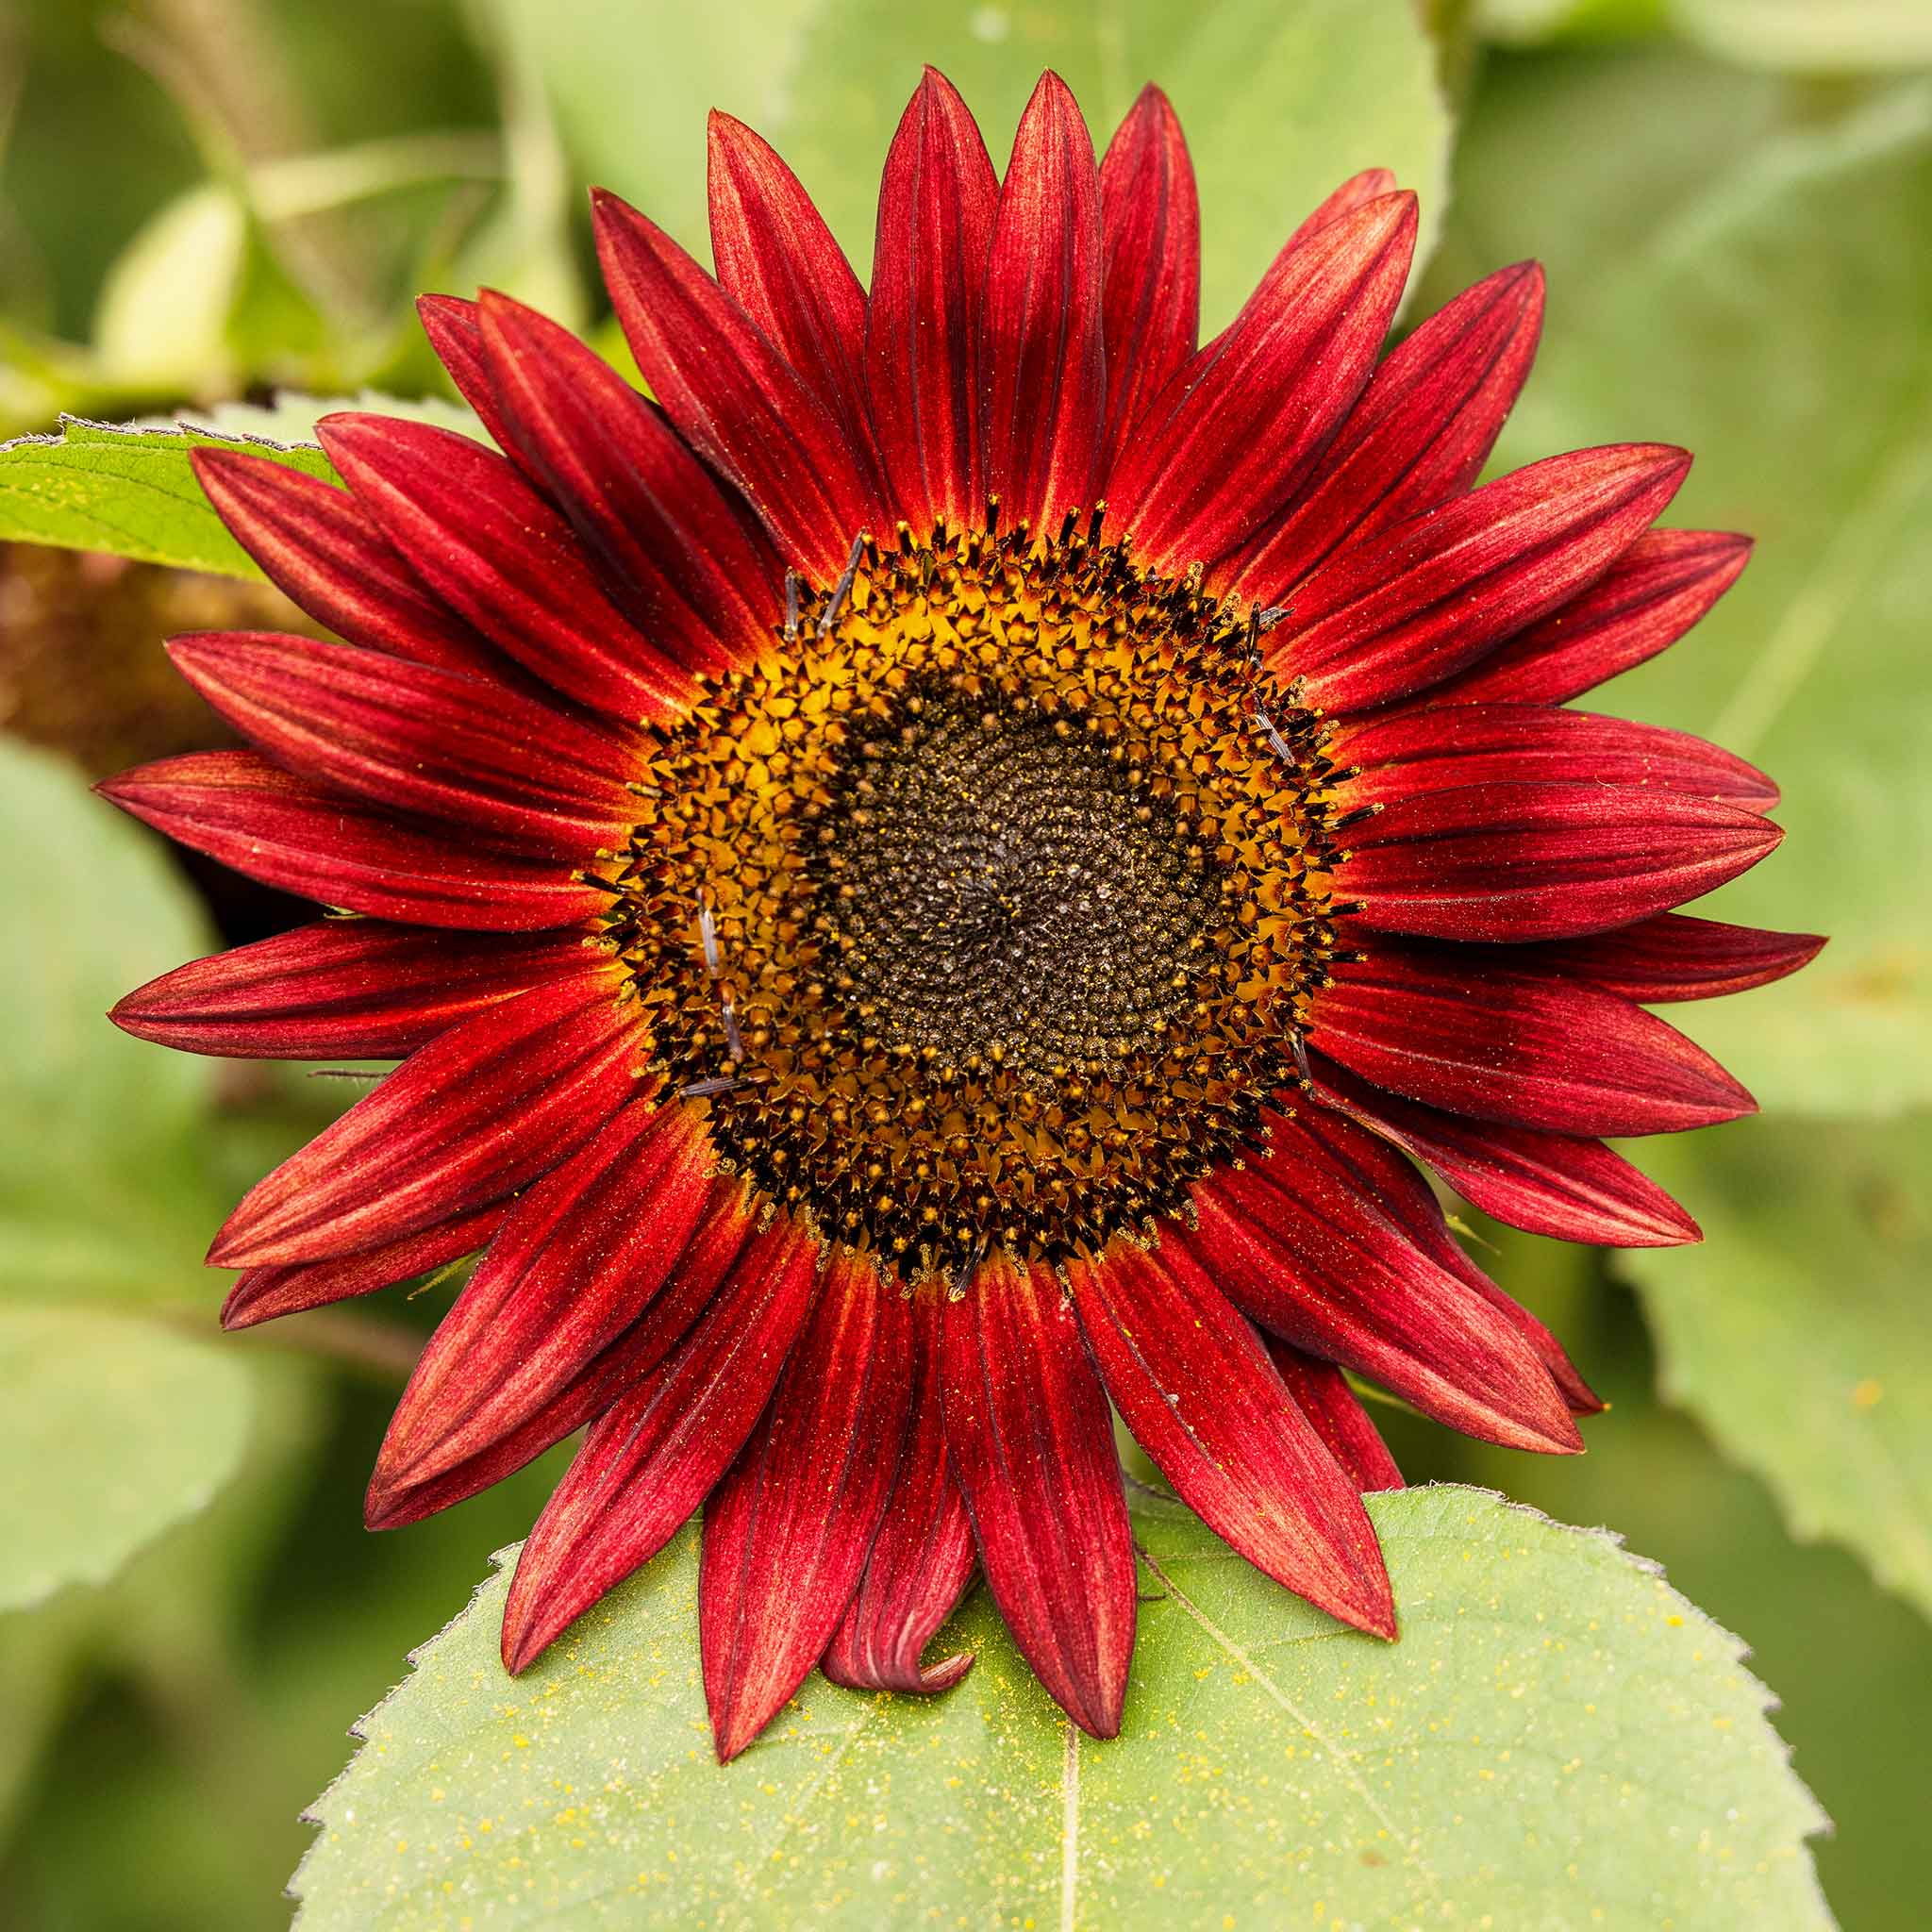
[112,1431]
[1797,1332]
[1538,22]
[1775,323]
[127,488]
[1558,1735]
[163,314]
[1282,99]
[1811,36]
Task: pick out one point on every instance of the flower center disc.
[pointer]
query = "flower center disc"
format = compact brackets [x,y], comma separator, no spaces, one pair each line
[984,909]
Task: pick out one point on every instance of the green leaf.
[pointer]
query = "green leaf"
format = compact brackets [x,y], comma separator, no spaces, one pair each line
[1845,37]
[1772,319]
[1796,1333]
[1282,99]
[128,488]
[1559,1738]
[112,1431]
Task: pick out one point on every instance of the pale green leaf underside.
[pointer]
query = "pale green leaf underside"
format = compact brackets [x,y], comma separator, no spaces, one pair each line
[1558,1741]
[112,1431]
[1797,1332]
[1729,326]
[128,489]
[1281,99]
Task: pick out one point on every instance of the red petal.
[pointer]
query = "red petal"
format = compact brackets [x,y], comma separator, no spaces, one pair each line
[1200,1396]
[1337,1412]
[1420,435]
[494,550]
[788,1531]
[714,1250]
[670,550]
[1674,958]
[774,253]
[1371,183]
[261,1294]
[1554,1184]
[1408,608]
[320,548]
[1237,429]
[455,329]
[1324,1241]
[732,396]
[1045,355]
[347,988]
[576,1263]
[922,347]
[1032,1446]
[1400,753]
[653,1456]
[414,735]
[1150,224]
[475,1115]
[1468,1034]
[1644,603]
[922,1557]
[342,851]
[1536,861]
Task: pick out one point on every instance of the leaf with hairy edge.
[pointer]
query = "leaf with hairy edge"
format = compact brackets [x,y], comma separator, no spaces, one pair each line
[128,488]
[1281,99]
[113,1429]
[1559,1738]
[1796,1334]
[1770,317]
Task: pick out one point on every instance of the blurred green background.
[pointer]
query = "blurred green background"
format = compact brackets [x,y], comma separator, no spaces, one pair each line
[204,201]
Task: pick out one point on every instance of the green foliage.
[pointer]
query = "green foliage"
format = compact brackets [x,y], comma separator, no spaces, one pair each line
[1282,99]
[1558,1738]
[1797,1333]
[112,1431]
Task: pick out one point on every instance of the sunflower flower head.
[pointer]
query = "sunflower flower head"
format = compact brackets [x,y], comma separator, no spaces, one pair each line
[946,878]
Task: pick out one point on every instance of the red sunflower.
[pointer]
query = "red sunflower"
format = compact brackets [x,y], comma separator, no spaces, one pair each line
[938,875]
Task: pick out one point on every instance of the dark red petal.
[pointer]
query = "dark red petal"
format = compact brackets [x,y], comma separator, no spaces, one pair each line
[576,1263]
[342,851]
[1674,958]
[670,550]
[1532,861]
[1150,226]
[1234,434]
[1558,1185]
[496,551]
[922,1557]
[1420,435]
[774,253]
[788,1531]
[1337,1412]
[1200,1396]
[653,1456]
[1418,601]
[455,328]
[732,394]
[1032,1446]
[342,988]
[1371,183]
[415,736]
[319,547]
[1644,603]
[261,1294]
[1325,1243]
[1397,754]
[1045,366]
[473,1116]
[922,332]
[1468,1034]
[714,1250]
